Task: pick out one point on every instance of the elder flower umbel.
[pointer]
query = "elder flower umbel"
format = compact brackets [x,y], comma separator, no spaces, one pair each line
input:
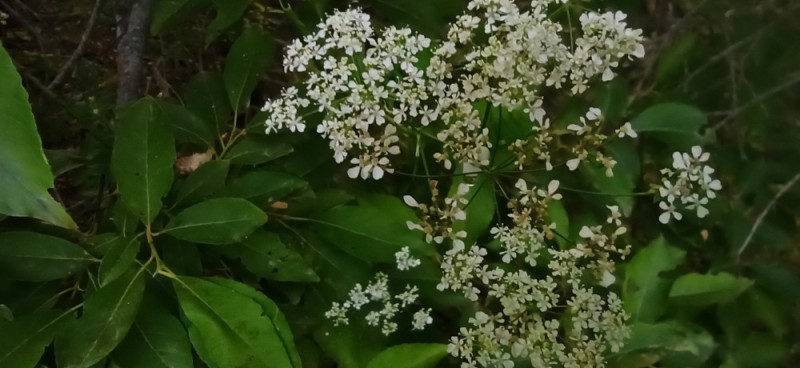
[688,184]
[373,87]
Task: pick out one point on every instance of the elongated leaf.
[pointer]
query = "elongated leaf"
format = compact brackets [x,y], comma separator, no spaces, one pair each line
[24,173]
[674,123]
[187,127]
[645,292]
[373,230]
[412,356]
[227,328]
[257,150]
[351,346]
[203,182]
[270,310]
[107,316]
[118,260]
[217,221]
[265,255]
[23,340]
[156,340]
[124,220]
[206,97]
[143,157]
[36,257]
[264,187]
[480,209]
[672,343]
[698,289]
[246,63]
[169,13]
[228,13]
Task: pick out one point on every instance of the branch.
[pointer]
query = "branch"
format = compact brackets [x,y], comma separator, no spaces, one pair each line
[785,188]
[78,50]
[133,33]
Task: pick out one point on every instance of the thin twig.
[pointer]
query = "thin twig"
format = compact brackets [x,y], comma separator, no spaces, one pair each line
[733,113]
[78,50]
[785,188]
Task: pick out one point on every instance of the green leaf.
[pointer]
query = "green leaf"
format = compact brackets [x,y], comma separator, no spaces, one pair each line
[675,124]
[120,258]
[412,356]
[124,220]
[247,61]
[351,346]
[480,209]
[645,292]
[156,340]
[557,214]
[265,187]
[168,13]
[674,344]
[257,150]
[24,339]
[203,182]
[217,221]
[205,96]
[107,316]
[25,175]
[270,310]
[265,255]
[701,290]
[672,62]
[187,127]
[227,328]
[143,158]
[228,13]
[626,174]
[373,230]
[30,256]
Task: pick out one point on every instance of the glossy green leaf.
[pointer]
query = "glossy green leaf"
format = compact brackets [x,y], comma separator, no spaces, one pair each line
[557,214]
[411,356]
[23,340]
[645,291]
[699,289]
[271,310]
[30,256]
[205,96]
[157,339]
[203,182]
[124,220]
[625,174]
[373,230]
[673,61]
[169,13]
[673,344]
[108,314]
[257,150]
[480,208]
[228,13]
[217,221]
[187,127]
[264,187]
[227,328]
[265,255]
[675,124]
[25,175]
[118,260]
[143,158]
[247,61]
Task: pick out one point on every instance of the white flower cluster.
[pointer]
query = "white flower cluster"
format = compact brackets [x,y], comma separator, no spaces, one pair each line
[377,292]
[437,219]
[373,86]
[554,314]
[689,183]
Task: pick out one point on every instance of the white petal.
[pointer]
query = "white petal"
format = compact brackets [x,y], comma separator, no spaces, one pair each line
[586,232]
[553,186]
[353,172]
[608,279]
[573,164]
[664,218]
[410,201]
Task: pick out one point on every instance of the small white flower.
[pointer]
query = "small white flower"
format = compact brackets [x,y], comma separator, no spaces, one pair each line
[405,261]
[421,319]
